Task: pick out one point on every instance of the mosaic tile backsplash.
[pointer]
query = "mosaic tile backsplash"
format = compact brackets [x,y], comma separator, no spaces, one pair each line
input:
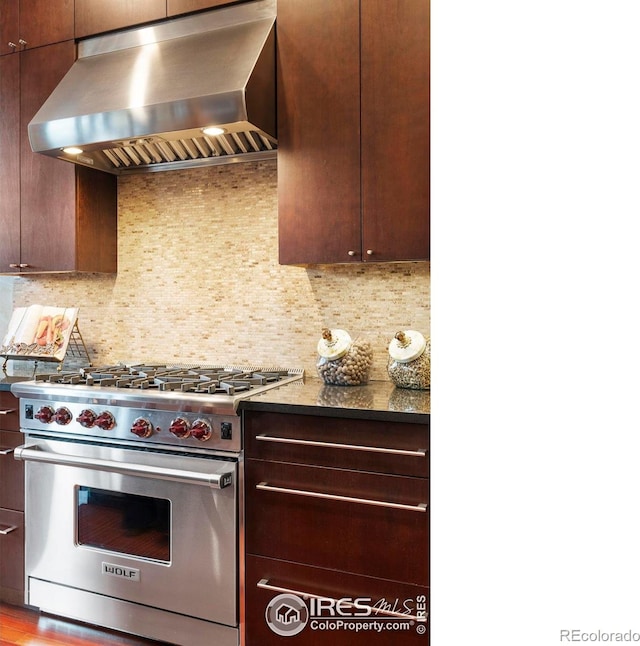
[199,281]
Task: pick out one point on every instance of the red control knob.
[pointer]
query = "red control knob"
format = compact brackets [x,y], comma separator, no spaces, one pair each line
[142,427]
[87,418]
[180,427]
[105,421]
[45,415]
[201,430]
[62,416]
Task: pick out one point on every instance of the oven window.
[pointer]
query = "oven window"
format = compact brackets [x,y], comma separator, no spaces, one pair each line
[124,523]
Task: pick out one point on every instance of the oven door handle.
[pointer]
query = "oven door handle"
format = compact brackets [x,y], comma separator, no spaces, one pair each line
[214,480]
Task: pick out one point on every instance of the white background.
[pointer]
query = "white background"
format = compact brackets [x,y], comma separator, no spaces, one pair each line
[535,320]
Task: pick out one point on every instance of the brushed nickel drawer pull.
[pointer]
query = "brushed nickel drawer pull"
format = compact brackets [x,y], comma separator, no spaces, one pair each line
[7,411]
[264,486]
[7,529]
[6,450]
[421,453]
[265,585]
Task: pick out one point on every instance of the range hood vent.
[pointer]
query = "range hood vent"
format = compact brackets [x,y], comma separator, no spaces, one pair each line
[138,100]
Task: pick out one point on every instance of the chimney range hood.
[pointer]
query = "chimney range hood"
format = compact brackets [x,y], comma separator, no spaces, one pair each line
[138,100]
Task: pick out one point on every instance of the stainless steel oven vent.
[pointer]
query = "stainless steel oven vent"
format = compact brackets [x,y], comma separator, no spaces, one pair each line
[148,154]
[140,99]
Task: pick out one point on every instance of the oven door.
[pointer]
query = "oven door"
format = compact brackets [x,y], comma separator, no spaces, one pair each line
[146,527]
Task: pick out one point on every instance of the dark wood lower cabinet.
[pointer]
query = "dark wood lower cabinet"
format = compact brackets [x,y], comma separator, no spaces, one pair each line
[11,503]
[336,530]
[12,556]
[11,472]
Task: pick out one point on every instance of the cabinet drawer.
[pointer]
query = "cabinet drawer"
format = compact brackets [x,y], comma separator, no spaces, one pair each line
[9,413]
[364,523]
[11,472]
[267,578]
[11,556]
[384,447]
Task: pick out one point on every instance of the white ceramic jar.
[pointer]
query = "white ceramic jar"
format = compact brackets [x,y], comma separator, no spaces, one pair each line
[410,360]
[343,361]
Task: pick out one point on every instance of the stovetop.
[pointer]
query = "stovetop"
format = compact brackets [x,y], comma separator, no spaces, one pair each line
[206,387]
[147,404]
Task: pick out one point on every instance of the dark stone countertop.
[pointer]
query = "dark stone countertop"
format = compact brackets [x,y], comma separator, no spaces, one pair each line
[379,400]
[12,374]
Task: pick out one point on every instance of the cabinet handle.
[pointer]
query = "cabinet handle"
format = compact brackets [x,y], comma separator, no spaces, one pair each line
[22,42]
[351,252]
[6,450]
[7,411]
[7,529]
[369,252]
[12,44]
[265,585]
[18,265]
[419,453]
[264,486]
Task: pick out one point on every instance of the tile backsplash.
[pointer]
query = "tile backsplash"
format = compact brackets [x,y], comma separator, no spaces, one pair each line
[199,281]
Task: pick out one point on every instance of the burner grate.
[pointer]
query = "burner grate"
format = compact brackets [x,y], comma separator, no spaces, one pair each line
[210,380]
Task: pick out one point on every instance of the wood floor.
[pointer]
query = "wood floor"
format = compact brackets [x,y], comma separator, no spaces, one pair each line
[29,628]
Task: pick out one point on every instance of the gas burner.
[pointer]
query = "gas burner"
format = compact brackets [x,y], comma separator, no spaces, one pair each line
[163,377]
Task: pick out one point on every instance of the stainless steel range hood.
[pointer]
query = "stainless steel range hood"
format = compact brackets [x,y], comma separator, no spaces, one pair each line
[137,100]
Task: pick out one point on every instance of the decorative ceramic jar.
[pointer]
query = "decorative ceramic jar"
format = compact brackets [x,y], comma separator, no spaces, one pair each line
[343,361]
[410,360]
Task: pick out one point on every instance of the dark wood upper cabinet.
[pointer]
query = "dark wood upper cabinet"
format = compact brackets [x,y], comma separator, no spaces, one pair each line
[25,24]
[9,161]
[55,216]
[43,22]
[9,25]
[395,129]
[353,131]
[176,7]
[97,16]
[318,131]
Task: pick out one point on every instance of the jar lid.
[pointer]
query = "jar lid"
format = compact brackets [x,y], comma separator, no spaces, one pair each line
[407,346]
[334,344]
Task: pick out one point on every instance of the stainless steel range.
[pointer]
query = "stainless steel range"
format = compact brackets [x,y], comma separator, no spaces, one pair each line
[133,496]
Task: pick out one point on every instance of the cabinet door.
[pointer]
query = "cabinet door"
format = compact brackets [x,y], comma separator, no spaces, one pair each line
[96,16]
[11,472]
[176,7]
[12,556]
[318,131]
[263,575]
[9,412]
[47,185]
[43,22]
[9,25]
[395,129]
[9,162]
